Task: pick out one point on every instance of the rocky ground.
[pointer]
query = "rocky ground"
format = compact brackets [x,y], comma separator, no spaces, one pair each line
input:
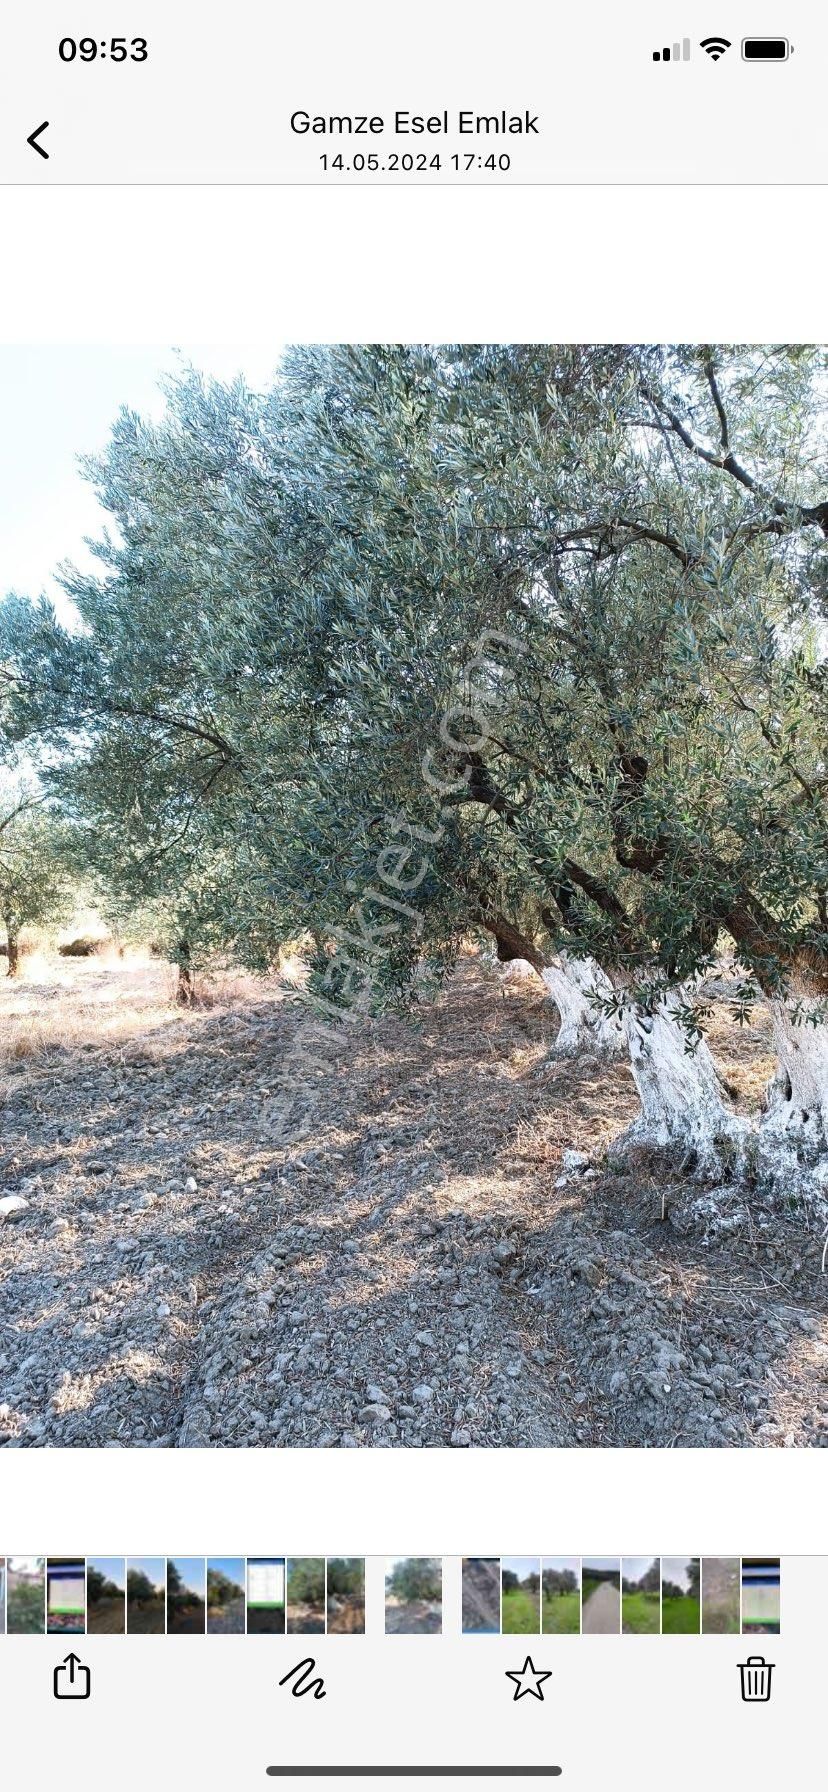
[405,1253]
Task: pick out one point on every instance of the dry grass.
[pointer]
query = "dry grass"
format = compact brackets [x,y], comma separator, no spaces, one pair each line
[67,1005]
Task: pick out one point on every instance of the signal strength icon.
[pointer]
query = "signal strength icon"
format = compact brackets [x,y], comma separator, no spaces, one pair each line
[715,46]
[678,53]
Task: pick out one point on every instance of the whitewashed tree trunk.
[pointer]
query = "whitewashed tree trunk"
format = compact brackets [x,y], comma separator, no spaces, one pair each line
[797,1098]
[579,988]
[682,1099]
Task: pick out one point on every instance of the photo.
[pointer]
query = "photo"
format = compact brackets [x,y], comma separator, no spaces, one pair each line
[413,1596]
[761,1596]
[25,1595]
[186,1595]
[306,1596]
[680,1596]
[601,1596]
[641,1596]
[66,1596]
[346,1595]
[106,1595]
[387,735]
[146,1596]
[520,1605]
[561,1606]
[481,1596]
[226,1606]
[720,1595]
[265,1595]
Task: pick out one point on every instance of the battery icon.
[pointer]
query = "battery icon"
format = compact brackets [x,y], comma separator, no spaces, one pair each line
[765,49]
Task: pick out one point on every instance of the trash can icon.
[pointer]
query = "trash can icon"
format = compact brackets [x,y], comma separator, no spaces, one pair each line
[756,1679]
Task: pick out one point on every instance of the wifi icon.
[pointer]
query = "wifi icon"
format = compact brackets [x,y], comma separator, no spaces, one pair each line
[715,46]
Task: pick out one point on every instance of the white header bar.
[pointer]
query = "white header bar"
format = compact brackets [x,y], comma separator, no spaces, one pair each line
[467,95]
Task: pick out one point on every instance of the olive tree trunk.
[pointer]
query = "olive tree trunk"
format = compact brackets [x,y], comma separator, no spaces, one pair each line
[12,946]
[580,991]
[684,1105]
[185,988]
[796,1107]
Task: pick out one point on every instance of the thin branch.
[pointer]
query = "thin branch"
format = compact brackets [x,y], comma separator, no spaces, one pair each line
[719,403]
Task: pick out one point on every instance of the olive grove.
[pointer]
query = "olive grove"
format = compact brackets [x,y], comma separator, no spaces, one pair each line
[523,642]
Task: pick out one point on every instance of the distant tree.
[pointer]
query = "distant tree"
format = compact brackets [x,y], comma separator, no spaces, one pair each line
[651,1580]
[306,1581]
[35,879]
[560,1580]
[416,1578]
[220,1589]
[346,1576]
[140,1589]
[175,1585]
[99,1587]
[96,1584]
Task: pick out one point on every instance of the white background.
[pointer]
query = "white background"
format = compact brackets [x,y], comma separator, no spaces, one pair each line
[168,265]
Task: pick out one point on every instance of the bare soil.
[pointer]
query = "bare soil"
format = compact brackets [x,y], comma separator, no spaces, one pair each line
[346,1615]
[227,1620]
[225,1246]
[412,1617]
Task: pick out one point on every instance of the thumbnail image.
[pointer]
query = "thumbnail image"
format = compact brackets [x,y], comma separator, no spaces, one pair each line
[66,1596]
[481,1596]
[146,1601]
[265,1595]
[226,1606]
[306,1596]
[760,1595]
[346,1595]
[720,1595]
[186,1595]
[2,1595]
[561,1605]
[641,1596]
[26,1595]
[106,1595]
[529,640]
[413,1596]
[680,1596]
[520,1580]
[601,1596]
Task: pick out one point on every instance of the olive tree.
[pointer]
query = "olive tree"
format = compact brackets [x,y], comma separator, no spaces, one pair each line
[35,880]
[529,641]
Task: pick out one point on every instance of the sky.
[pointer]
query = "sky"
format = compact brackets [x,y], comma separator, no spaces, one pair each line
[192,1571]
[232,1567]
[635,1567]
[561,1563]
[521,1565]
[111,1567]
[60,402]
[676,1569]
[154,1567]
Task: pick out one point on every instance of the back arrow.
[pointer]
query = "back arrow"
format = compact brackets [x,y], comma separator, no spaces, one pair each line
[34,143]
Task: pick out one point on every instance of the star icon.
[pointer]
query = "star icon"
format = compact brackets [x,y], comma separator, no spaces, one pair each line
[529,1679]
